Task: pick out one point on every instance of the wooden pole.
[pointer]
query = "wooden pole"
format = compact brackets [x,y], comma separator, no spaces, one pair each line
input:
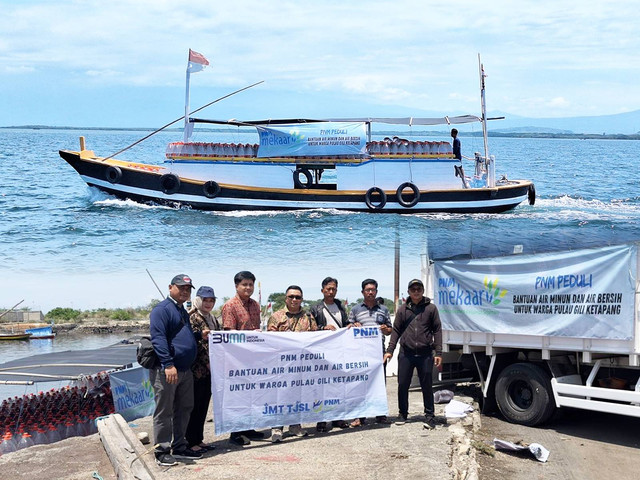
[178,119]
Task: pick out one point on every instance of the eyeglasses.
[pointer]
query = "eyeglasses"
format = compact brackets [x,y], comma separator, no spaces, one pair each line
[370,290]
[416,289]
[295,297]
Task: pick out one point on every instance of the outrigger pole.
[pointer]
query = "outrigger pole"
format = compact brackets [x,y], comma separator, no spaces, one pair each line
[178,119]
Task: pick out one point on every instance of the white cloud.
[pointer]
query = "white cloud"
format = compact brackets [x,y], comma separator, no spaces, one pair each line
[411,52]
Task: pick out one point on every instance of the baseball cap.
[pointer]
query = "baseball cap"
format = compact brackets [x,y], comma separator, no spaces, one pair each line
[182,279]
[205,292]
[414,282]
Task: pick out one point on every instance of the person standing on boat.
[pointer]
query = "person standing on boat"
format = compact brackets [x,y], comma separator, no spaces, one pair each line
[457,148]
[292,318]
[242,313]
[174,342]
[329,314]
[417,327]
[202,320]
[370,313]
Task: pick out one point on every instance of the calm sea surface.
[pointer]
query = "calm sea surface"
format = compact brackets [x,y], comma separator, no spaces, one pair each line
[64,244]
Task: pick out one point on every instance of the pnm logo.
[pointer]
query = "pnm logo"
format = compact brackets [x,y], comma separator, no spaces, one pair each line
[494,293]
[326,405]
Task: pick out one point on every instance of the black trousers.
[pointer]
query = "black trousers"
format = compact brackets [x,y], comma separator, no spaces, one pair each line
[407,362]
[201,397]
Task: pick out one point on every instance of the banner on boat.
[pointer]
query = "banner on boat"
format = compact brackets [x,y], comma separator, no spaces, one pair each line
[313,139]
[267,379]
[132,393]
[587,293]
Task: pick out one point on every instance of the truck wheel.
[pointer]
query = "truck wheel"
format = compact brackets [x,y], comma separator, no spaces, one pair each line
[524,395]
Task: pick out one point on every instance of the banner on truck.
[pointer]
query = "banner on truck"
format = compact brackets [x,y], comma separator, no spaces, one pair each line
[588,293]
[267,379]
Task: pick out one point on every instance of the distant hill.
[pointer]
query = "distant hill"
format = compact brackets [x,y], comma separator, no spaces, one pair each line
[609,125]
[622,123]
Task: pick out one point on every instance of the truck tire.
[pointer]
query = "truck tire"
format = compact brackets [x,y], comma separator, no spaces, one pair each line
[524,395]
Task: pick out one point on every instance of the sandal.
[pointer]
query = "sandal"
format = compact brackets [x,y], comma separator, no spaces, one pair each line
[356,423]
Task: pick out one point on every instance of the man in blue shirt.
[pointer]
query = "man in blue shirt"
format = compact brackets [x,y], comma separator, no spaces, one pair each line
[175,345]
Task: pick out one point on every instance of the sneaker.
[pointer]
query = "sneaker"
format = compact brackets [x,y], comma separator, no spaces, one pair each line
[187,453]
[253,435]
[165,459]
[322,427]
[383,420]
[276,435]
[402,419]
[239,440]
[297,430]
[429,423]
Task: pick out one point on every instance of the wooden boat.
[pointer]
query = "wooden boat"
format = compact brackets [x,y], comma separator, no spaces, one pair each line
[309,164]
[14,336]
[41,333]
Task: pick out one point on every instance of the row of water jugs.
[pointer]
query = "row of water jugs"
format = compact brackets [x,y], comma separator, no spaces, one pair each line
[406,147]
[79,426]
[203,149]
[55,415]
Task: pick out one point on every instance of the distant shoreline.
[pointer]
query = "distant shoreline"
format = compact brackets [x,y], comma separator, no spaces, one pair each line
[575,136]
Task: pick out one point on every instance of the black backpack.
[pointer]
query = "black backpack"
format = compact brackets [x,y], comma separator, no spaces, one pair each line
[146,355]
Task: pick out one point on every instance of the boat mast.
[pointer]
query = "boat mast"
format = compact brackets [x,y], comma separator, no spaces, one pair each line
[483,119]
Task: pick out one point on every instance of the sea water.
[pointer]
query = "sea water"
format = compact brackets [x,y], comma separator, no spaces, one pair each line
[62,240]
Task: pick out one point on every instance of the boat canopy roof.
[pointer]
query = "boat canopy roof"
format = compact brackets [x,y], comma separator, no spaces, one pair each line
[69,364]
[410,121]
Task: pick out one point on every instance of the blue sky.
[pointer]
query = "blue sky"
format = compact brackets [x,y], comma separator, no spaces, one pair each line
[122,63]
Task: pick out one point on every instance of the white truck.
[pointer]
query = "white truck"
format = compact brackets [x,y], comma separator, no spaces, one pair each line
[541,332]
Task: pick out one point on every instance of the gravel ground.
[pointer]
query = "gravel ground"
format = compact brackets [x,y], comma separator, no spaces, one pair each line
[372,452]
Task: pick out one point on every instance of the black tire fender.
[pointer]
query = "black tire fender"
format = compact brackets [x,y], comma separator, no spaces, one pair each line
[531,193]
[169,183]
[415,194]
[370,202]
[211,189]
[524,394]
[297,182]
[113,174]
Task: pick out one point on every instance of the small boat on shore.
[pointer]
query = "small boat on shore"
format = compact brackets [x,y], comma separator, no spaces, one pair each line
[14,336]
[330,163]
[41,333]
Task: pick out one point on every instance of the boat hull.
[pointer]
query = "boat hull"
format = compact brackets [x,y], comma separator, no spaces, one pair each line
[147,184]
[15,336]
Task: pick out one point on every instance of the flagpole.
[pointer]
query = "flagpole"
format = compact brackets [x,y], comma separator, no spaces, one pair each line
[186,105]
[186,109]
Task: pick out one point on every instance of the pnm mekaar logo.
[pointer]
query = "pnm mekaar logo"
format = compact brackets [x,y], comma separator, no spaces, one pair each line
[498,294]
[450,292]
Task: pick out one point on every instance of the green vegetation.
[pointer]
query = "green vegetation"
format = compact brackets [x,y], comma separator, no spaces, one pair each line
[99,315]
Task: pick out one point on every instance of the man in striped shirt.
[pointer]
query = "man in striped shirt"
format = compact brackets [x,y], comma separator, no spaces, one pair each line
[370,313]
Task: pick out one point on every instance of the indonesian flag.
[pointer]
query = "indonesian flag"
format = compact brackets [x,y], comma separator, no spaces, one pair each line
[197,62]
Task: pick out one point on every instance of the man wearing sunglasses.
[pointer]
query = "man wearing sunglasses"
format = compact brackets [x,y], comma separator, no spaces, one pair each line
[417,327]
[292,318]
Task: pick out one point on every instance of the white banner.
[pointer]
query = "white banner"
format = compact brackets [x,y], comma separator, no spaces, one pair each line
[312,139]
[588,293]
[267,379]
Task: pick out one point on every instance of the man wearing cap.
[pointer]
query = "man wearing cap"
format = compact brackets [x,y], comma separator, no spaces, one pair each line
[175,345]
[417,327]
